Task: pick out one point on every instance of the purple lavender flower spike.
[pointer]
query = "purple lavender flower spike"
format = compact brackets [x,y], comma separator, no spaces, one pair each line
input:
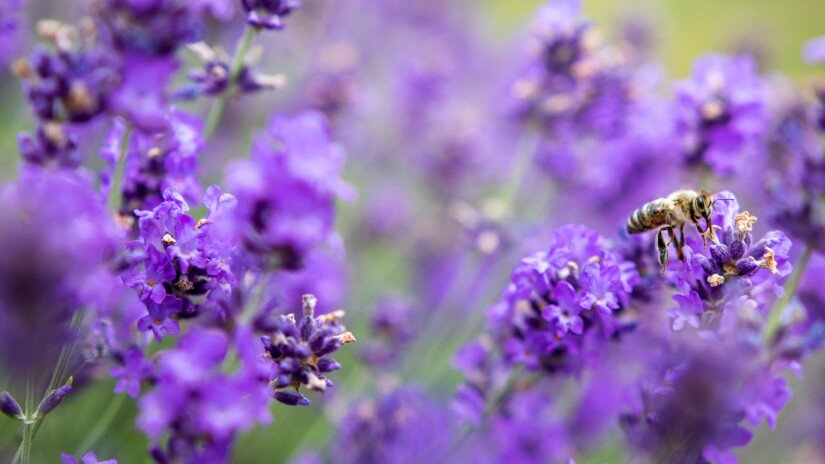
[269,14]
[688,311]
[213,78]
[566,312]
[135,368]
[88,458]
[149,282]
[52,145]
[286,192]
[159,320]
[721,112]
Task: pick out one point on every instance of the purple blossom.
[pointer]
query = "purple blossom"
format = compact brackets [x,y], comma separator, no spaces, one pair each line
[88,458]
[688,311]
[269,14]
[149,282]
[721,112]
[134,369]
[59,239]
[10,407]
[53,400]
[213,78]
[565,314]
[286,192]
[299,350]
[201,408]
[159,320]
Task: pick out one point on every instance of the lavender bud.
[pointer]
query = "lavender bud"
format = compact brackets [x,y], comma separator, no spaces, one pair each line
[747,266]
[10,407]
[328,365]
[737,249]
[720,254]
[291,398]
[53,400]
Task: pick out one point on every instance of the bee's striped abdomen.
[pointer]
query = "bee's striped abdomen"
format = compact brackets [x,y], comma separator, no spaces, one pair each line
[649,216]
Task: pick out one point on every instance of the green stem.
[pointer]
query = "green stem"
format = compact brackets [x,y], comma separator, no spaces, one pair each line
[114,187]
[775,316]
[218,108]
[102,424]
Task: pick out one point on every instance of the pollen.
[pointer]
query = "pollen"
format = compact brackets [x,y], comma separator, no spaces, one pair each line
[744,222]
[716,280]
[769,261]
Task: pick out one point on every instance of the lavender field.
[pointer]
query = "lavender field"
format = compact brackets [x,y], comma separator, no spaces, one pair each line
[412,231]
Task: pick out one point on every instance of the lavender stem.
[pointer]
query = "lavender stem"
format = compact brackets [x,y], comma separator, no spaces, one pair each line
[775,316]
[218,108]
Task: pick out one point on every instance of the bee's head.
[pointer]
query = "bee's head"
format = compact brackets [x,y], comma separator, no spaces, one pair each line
[703,204]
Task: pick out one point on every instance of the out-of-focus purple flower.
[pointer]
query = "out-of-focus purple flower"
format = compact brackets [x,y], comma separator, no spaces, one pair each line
[196,406]
[11,15]
[88,458]
[213,78]
[53,144]
[69,84]
[159,320]
[814,51]
[324,274]
[269,14]
[392,327]
[794,178]
[134,369]
[287,190]
[151,27]
[400,426]
[142,96]
[299,350]
[689,308]
[721,112]
[59,237]
[158,161]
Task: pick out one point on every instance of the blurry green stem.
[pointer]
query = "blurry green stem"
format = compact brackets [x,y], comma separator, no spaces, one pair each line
[216,112]
[775,316]
[117,179]
[33,422]
[102,424]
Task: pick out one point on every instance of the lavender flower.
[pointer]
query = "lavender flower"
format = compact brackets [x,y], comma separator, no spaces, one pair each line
[10,30]
[53,399]
[814,51]
[269,14]
[578,277]
[213,78]
[196,407]
[392,329]
[298,351]
[52,145]
[88,458]
[69,84]
[793,176]
[286,192]
[10,407]
[59,240]
[134,369]
[185,269]
[721,113]
[399,426]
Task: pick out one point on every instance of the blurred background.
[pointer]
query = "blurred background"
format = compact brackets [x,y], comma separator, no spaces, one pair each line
[355,60]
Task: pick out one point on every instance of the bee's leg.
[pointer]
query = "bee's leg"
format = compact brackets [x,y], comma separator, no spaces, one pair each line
[662,246]
[681,243]
[702,233]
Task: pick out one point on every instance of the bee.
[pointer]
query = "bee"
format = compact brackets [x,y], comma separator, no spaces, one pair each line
[672,213]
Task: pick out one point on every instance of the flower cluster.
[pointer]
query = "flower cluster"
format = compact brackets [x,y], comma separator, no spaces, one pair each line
[181,266]
[299,351]
[200,407]
[721,112]
[563,302]
[287,190]
[268,14]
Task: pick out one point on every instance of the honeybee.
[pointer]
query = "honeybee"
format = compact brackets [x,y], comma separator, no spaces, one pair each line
[671,213]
